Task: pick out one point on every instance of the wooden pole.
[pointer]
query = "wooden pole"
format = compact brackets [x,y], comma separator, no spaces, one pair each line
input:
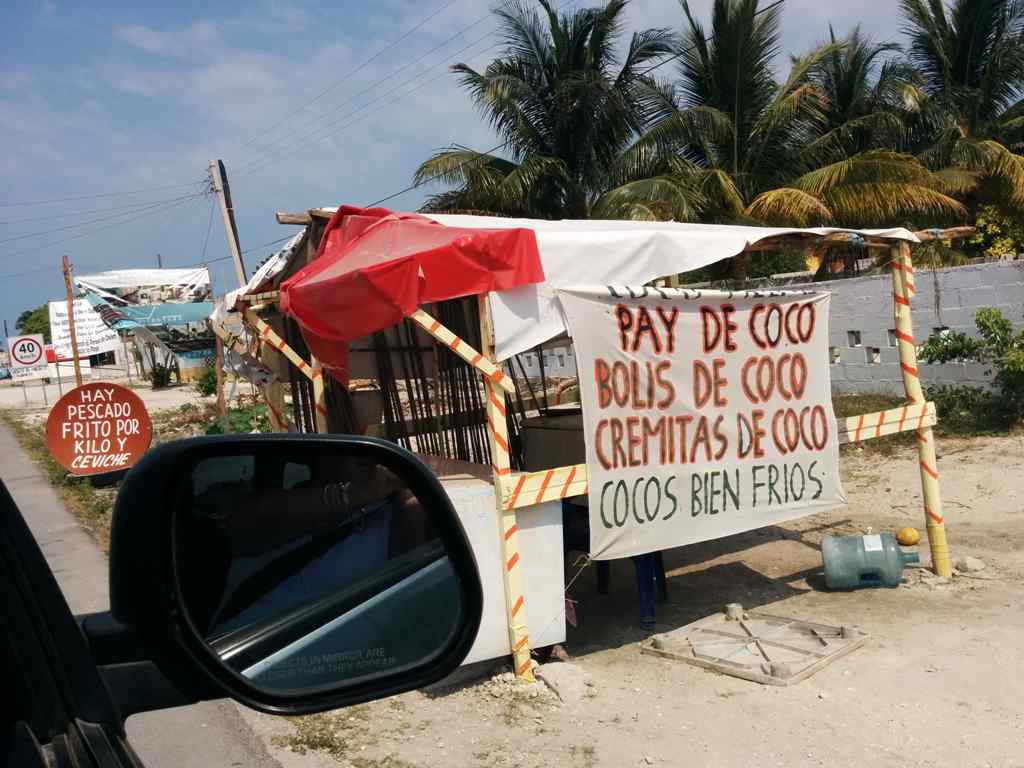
[903,291]
[512,569]
[320,397]
[71,321]
[218,362]
[219,182]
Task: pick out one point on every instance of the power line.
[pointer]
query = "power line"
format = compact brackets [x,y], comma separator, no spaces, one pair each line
[130,218]
[264,245]
[70,214]
[497,147]
[108,217]
[337,126]
[247,250]
[209,226]
[102,194]
[372,86]
[97,229]
[348,76]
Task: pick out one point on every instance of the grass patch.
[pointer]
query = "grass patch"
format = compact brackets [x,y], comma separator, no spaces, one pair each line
[90,505]
[341,735]
[961,411]
[93,506]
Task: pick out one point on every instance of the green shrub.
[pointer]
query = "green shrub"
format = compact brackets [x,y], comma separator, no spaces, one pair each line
[999,347]
[206,384]
[963,409]
[160,376]
[253,419]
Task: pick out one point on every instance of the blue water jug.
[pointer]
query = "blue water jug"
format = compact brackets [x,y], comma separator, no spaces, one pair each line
[875,560]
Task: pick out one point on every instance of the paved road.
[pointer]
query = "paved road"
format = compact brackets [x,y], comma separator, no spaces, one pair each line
[207,735]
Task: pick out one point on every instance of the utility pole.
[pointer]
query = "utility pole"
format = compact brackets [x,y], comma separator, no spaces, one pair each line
[71,321]
[219,182]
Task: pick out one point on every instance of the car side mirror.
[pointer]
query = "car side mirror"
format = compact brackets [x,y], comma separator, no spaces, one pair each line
[293,573]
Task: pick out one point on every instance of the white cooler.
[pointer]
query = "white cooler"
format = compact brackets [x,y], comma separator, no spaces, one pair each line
[540,558]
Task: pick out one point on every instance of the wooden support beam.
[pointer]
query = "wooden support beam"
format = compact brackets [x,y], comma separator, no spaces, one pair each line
[903,294]
[293,218]
[478,360]
[270,337]
[528,488]
[508,529]
[953,233]
[867,426]
[266,298]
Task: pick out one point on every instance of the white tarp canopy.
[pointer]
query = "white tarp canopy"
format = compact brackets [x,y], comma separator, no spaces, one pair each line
[267,271]
[613,252]
[188,282]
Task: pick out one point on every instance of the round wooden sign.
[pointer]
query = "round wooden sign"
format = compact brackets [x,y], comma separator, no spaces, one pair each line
[97,428]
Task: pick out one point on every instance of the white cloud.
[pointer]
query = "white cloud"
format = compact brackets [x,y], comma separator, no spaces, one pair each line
[200,38]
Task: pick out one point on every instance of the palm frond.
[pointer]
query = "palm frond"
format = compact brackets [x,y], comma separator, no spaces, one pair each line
[789,206]
[875,166]
[654,198]
[887,203]
[955,181]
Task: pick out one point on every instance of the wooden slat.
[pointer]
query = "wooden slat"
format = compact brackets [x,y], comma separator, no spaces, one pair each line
[293,218]
[855,429]
[460,347]
[524,489]
[270,337]
[259,298]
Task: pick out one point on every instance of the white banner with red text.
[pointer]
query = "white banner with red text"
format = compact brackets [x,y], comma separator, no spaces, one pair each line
[705,413]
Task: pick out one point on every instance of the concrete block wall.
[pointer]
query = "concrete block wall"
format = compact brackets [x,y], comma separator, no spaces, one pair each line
[863,307]
[559,361]
[946,298]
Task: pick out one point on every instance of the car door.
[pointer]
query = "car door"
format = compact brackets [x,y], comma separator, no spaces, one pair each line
[54,709]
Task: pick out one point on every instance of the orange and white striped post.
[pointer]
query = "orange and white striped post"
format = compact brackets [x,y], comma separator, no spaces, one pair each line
[512,571]
[319,397]
[903,291]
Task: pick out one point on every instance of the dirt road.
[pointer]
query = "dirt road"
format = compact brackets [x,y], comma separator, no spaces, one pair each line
[939,683]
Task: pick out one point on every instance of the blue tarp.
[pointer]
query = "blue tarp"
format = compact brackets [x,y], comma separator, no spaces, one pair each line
[126,318]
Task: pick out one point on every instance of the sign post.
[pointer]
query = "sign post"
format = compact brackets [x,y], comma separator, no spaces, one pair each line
[71,320]
[705,413]
[98,428]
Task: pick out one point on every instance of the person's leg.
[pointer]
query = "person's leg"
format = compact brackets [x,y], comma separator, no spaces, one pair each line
[659,575]
[604,574]
[645,566]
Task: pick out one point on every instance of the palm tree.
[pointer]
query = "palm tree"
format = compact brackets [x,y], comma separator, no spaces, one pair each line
[968,116]
[566,109]
[863,85]
[789,152]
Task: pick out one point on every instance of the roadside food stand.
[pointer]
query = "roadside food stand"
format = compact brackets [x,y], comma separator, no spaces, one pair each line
[365,300]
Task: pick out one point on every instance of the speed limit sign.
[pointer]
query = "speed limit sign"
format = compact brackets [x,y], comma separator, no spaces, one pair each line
[28,357]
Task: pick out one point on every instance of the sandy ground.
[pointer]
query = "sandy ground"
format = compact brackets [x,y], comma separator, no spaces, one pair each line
[14,396]
[940,681]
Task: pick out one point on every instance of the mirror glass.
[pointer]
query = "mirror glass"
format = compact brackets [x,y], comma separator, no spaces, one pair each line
[305,572]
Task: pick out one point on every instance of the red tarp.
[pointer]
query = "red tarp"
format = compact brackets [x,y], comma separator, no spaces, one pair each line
[375,267]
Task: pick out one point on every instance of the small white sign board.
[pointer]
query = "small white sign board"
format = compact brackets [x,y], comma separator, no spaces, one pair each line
[91,333]
[28,357]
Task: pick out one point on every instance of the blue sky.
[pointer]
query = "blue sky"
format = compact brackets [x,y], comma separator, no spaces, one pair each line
[111,97]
